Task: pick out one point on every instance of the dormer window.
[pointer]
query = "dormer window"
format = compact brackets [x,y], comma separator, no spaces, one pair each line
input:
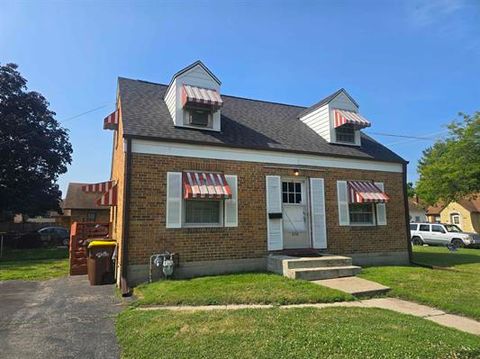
[199,105]
[197,116]
[345,134]
[347,125]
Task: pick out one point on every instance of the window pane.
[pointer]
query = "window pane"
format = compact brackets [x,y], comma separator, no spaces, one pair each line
[298,198]
[284,186]
[298,187]
[291,198]
[198,211]
[285,197]
[291,187]
[424,228]
[361,213]
[413,227]
[436,228]
[345,133]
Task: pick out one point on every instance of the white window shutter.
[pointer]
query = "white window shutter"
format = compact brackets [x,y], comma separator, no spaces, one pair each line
[317,201]
[174,200]
[274,205]
[231,204]
[381,208]
[342,198]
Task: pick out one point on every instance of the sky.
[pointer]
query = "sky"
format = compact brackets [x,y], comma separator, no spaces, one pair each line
[412,65]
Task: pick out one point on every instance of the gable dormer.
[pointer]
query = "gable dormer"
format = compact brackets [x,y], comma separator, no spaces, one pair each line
[336,119]
[193,98]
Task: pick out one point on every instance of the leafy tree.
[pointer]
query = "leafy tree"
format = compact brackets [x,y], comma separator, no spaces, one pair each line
[34,148]
[450,169]
[410,190]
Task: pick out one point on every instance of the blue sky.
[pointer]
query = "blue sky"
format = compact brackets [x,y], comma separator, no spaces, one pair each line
[411,65]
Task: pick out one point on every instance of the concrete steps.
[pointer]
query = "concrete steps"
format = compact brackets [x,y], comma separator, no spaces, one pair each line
[323,273]
[313,268]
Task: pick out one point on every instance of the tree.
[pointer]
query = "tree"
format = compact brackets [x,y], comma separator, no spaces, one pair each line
[450,169]
[34,148]
[410,190]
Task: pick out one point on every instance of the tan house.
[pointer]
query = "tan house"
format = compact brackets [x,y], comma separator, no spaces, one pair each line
[464,213]
[225,181]
[79,206]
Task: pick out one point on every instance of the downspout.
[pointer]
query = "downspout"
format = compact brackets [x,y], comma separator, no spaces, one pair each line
[124,288]
[407,217]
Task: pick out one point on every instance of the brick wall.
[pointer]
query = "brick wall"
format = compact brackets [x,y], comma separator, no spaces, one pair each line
[149,235]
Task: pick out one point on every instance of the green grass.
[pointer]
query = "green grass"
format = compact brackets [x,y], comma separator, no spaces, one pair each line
[288,333]
[34,264]
[455,288]
[245,288]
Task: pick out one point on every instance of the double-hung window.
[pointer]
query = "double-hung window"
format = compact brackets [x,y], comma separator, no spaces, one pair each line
[199,212]
[361,213]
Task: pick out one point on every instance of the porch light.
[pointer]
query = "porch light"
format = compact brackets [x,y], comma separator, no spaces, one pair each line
[296,171]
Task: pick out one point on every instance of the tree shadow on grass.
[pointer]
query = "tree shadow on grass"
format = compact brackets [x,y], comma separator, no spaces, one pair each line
[447,259]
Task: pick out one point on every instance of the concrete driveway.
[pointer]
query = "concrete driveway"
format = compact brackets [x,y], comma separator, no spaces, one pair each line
[58,318]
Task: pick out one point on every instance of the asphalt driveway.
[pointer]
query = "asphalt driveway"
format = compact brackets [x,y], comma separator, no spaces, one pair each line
[58,318]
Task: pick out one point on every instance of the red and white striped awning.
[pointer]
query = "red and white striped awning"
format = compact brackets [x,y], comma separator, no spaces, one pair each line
[205,185]
[111,121]
[109,198]
[98,187]
[199,95]
[108,190]
[365,192]
[342,117]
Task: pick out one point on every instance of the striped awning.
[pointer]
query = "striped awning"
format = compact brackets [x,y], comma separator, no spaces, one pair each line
[342,117]
[111,121]
[202,96]
[205,185]
[365,192]
[98,187]
[109,198]
[108,190]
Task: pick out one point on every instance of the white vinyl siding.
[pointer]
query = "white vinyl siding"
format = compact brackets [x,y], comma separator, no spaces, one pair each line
[319,121]
[231,205]
[342,199]
[381,208]
[174,200]
[274,205]
[317,201]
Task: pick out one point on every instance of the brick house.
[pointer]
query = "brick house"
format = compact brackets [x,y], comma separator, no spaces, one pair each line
[224,181]
[79,206]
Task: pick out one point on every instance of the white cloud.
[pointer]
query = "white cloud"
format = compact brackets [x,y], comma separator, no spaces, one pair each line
[429,12]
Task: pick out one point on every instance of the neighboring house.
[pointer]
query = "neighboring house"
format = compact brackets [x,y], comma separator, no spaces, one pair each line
[79,206]
[416,210]
[465,213]
[222,181]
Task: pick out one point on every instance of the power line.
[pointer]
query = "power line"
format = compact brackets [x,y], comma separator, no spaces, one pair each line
[67,119]
[400,136]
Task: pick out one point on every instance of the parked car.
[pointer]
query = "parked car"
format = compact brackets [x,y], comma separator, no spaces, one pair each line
[442,234]
[58,236]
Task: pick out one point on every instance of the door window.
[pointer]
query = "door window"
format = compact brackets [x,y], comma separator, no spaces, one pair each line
[291,192]
[424,228]
[437,229]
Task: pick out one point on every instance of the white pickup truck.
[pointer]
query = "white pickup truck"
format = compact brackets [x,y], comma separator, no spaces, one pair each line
[441,234]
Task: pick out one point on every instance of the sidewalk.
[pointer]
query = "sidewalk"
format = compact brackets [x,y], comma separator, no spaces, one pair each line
[397,305]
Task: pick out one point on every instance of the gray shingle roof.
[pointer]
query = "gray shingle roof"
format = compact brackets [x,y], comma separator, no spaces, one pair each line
[246,123]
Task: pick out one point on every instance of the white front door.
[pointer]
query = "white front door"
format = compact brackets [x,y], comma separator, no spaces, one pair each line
[296,228]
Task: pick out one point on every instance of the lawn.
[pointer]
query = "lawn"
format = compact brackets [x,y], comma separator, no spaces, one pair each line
[245,288]
[455,288]
[34,264]
[288,333]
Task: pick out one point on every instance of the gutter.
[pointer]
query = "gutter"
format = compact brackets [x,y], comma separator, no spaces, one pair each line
[124,288]
[407,217]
